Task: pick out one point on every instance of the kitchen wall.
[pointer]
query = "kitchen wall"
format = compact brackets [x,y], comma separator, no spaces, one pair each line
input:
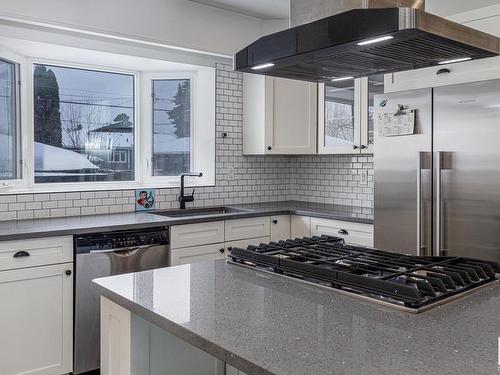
[239,179]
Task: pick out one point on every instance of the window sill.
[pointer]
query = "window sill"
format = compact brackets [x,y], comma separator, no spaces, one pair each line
[93,186]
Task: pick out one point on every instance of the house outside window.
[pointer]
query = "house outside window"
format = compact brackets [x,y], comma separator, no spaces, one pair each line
[69,125]
[81,117]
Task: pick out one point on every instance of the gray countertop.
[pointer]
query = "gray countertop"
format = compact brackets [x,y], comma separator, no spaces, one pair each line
[268,324]
[20,229]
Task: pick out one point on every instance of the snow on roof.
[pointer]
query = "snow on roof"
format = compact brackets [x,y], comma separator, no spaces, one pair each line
[336,142]
[50,158]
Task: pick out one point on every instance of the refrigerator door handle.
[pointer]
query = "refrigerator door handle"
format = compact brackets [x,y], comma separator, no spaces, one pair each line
[419,203]
[440,234]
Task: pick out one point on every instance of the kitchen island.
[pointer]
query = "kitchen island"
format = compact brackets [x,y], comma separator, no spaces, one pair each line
[263,323]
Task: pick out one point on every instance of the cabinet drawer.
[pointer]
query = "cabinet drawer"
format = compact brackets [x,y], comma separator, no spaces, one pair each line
[196,234]
[248,228]
[35,252]
[197,254]
[354,233]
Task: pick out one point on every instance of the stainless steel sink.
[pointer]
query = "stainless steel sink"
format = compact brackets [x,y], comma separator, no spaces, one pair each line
[205,211]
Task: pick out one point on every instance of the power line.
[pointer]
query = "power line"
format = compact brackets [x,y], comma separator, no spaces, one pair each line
[89,104]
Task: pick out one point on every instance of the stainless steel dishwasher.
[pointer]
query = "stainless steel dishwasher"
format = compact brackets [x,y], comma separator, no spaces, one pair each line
[106,254]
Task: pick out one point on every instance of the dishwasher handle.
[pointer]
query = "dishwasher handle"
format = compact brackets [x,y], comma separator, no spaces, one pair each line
[131,249]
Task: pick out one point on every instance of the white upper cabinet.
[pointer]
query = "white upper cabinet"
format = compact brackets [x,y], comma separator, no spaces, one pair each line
[345,115]
[484,19]
[279,116]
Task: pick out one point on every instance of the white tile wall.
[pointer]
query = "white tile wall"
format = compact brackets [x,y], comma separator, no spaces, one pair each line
[239,179]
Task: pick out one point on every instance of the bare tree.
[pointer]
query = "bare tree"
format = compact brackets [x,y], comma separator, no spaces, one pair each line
[340,121]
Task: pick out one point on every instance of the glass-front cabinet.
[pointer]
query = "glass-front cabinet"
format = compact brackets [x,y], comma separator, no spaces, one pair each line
[346,123]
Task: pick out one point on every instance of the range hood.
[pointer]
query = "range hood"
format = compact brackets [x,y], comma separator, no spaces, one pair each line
[381,36]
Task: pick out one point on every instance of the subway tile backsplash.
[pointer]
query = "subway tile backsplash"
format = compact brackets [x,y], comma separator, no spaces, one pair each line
[239,179]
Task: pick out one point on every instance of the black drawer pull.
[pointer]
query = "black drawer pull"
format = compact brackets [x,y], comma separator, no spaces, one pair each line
[343,231]
[21,254]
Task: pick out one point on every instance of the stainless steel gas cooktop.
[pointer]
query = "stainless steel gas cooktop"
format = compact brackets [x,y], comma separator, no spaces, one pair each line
[409,283]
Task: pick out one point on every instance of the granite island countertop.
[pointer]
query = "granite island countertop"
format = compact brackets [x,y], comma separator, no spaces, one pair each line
[265,323]
[33,228]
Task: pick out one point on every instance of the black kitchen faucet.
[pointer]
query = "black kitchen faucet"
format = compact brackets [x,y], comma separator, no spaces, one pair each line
[187,198]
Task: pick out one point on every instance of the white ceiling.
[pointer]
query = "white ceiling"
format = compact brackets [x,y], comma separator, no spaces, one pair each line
[449,7]
[265,9]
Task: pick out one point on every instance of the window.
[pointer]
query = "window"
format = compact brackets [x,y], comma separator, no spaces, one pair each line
[84,125]
[9,119]
[87,120]
[178,119]
[172,127]
[339,114]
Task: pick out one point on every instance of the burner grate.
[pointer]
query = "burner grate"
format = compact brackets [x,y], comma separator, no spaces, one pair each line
[410,281]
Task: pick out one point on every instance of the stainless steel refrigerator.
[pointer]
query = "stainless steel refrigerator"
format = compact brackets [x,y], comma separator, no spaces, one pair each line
[437,192]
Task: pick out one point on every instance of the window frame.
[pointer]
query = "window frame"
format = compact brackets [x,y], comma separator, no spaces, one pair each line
[357,110]
[79,186]
[202,79]
[21,114]
[198,133]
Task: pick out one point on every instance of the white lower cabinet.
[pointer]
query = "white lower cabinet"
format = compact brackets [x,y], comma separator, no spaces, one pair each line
[353,233]
[189,235]
[247,228]
[195,254]
[280,227]
[36,320]
[300,226]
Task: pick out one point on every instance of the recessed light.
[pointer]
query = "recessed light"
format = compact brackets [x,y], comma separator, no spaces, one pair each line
[375,40]
[342,79]
[262,66]
[455,60]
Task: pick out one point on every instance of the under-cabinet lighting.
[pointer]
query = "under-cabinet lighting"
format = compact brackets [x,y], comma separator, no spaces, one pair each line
[342,79]
[375,40]
[455,60]
[263,66]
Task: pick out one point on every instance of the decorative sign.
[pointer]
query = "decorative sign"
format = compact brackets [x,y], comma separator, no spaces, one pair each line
[402,122]
[145,199]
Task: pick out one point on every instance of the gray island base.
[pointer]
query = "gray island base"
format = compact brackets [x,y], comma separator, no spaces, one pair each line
[195,319]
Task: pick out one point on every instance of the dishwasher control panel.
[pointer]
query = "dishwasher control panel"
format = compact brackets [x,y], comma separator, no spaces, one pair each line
[121,239]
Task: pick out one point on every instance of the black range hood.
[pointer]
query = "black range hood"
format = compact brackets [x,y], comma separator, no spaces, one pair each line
[364,42]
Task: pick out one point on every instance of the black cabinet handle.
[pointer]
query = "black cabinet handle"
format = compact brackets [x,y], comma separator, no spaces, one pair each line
[275,221]
[68,272]
[21,254]
[229,249]
[222,251]
[269,148]
[355,147]
[343,231]
[363,147]
[443,71]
